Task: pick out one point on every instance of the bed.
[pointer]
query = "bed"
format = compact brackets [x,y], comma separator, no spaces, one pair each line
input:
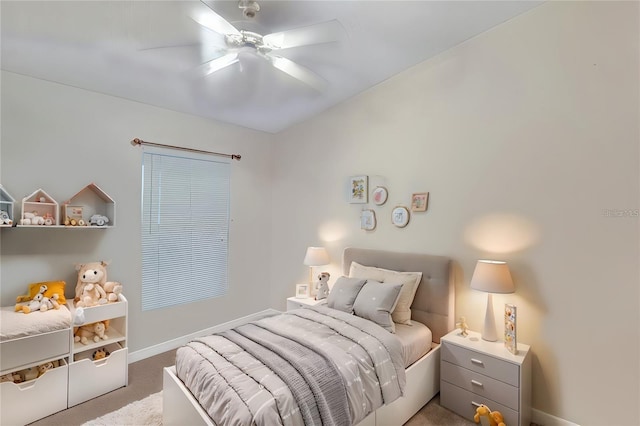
[432,306]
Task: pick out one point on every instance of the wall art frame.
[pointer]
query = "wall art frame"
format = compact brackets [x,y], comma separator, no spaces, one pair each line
[359,189]
[368,220]
[419,201]
[400,216]
[379,195]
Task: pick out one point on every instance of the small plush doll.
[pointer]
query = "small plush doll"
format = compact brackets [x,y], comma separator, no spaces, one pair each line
[99,354]
[322,286]
[95,332]
[35,304]
[91,273]
[43,368]
[92,295]
[113,289]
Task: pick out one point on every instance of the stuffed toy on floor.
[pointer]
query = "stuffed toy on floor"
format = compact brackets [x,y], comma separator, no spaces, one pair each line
[488,417]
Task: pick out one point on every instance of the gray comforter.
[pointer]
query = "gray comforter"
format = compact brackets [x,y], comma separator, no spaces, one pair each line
[311,366]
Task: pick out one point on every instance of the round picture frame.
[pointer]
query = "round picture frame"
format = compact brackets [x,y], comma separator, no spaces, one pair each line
[379,195]
[400,216]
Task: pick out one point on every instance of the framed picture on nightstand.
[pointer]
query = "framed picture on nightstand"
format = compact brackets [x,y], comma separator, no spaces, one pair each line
[302,291]
[510,341]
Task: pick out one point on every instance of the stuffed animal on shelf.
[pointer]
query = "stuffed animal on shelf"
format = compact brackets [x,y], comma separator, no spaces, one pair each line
[43,368]
[322,286]
[488,417]
[51,302]
[11,377]
[53,288]
[92,295]
[94,331]
[91,273]
[100,354]
[35,304]
[113,289]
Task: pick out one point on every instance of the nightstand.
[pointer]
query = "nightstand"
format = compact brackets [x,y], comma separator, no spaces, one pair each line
[295,303]
[474,371]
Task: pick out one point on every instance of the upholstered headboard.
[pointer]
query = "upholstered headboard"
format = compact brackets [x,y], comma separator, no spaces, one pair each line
[434,303]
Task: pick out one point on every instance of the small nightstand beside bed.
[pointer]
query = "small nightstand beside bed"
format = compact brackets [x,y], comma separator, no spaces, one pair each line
[359,361]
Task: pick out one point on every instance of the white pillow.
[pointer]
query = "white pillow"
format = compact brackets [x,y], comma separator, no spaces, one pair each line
[409,280]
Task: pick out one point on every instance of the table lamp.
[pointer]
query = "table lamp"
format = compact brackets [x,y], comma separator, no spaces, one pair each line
[491,276]
[315,256]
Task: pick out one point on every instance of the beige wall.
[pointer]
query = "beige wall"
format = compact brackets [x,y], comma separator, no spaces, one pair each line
[61,139]
[523,136]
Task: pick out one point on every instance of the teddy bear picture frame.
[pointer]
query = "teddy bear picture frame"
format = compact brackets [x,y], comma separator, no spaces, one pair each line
[302,291]
[510,315]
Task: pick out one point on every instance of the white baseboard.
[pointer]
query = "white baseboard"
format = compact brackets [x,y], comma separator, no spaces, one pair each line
[176,343]
[543,419]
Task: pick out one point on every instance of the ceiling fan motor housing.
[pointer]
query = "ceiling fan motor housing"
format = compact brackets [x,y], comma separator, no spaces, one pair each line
[249,8]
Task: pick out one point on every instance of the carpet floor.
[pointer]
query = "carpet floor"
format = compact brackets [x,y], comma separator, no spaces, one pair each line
[145,380]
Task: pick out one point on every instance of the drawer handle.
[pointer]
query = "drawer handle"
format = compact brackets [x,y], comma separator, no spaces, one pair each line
[475,404]
[477,383]
[476,361]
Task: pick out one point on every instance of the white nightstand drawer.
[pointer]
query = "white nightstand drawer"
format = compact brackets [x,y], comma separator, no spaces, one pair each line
[481,363]
[480,384]
[465,403]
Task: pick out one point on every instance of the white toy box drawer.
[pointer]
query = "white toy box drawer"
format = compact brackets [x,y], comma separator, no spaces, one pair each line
[99,313]
[26,402]
[30,350]
[88,378]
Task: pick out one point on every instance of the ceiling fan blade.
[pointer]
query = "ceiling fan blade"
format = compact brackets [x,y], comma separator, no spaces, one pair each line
[217,64]
[313,34]
[298,71]
[211,20]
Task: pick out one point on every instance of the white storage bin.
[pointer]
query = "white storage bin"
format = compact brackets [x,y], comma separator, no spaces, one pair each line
[88,378]
[101,312]
[26,402]
[30,350]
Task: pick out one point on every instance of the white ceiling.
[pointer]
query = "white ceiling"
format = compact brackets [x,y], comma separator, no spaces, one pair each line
[109,47]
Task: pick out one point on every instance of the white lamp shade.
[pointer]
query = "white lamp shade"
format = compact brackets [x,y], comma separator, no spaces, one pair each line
[492,276]
[316,256]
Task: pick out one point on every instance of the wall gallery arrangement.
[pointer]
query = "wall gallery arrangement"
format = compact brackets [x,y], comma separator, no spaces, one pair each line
[358,193]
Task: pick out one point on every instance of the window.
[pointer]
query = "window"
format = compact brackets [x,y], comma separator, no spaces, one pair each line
[185,227]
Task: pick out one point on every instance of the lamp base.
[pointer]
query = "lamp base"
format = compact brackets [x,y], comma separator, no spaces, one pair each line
[489,331]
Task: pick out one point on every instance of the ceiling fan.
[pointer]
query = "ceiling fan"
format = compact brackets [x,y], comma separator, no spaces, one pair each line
[235,40]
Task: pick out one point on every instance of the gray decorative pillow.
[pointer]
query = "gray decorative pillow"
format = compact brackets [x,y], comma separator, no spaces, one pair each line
[376,301]
[344,293]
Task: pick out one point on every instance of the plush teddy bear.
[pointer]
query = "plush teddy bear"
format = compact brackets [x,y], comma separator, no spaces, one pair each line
[55,289]
[43,368]
[488,417]
[35,304]
[99,354]
[92,273]
[92,295]
[95,332]
[11,377]
[322,286]
[113,289]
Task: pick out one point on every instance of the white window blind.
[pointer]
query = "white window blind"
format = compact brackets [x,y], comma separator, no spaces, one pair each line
[185,227]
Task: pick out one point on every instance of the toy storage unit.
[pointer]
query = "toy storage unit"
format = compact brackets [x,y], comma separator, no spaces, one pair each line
[26,402]
[77,379]
[89,378]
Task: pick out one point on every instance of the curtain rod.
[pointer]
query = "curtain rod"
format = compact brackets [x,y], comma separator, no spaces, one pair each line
[137,141]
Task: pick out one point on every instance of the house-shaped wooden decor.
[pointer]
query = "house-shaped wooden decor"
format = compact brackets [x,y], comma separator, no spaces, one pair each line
[90,207]
[7,204]
[39,209]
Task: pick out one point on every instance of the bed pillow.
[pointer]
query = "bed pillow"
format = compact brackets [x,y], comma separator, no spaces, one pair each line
[376,301]
[344,293]
[409,281]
